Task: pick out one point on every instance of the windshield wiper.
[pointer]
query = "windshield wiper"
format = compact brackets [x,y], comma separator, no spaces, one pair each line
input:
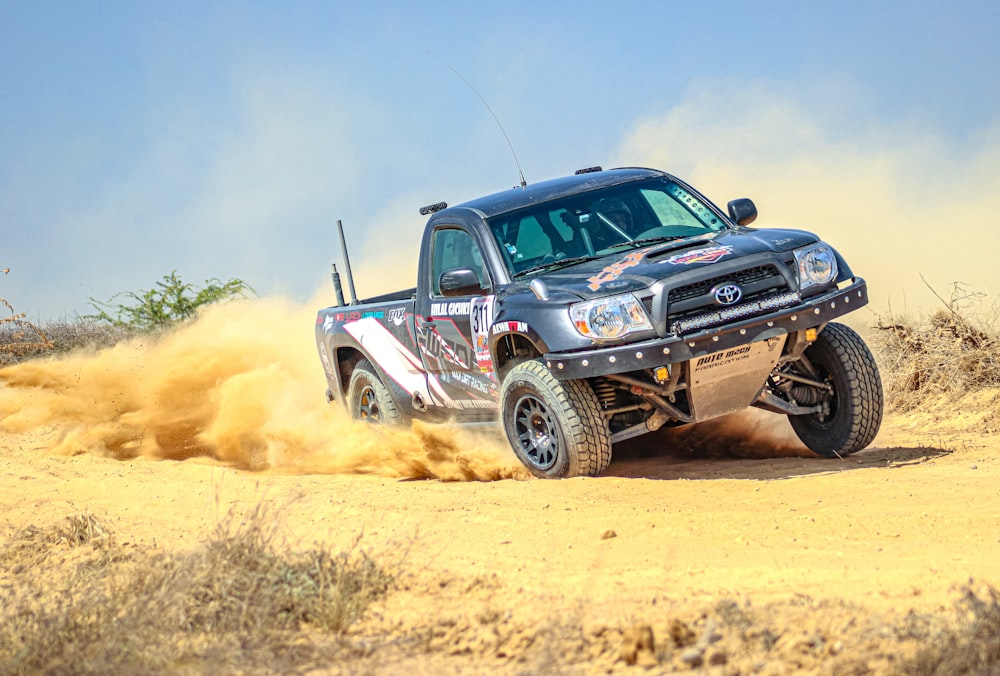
[644,241]
[663,239]
[562,262]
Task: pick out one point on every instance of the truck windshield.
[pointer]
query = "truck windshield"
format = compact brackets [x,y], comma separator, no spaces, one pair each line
[601,221]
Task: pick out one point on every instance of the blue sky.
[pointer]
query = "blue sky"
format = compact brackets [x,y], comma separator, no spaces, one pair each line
[225,139]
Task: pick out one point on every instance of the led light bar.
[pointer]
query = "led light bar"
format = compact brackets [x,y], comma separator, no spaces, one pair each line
[736,312]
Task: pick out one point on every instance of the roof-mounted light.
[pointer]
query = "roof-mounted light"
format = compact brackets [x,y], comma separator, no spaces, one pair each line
[433,208]
[588,170]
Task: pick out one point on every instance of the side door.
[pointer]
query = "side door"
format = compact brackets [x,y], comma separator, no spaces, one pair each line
[453,327]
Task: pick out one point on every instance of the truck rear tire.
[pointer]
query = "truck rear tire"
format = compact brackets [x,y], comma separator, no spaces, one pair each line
[368,398]
[555,427]
[843,361]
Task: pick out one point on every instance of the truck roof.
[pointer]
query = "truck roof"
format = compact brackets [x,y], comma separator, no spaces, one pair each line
[536,193]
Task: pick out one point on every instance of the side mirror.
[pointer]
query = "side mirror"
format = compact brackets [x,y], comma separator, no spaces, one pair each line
[743,211]
[459,282]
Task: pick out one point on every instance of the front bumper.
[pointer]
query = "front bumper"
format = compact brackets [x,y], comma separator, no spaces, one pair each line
[812,312]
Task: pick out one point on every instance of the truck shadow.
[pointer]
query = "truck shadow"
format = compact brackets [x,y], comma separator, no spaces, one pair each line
[678,465]
[746,445]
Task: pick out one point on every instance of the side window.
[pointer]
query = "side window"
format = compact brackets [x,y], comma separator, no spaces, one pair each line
[454,248]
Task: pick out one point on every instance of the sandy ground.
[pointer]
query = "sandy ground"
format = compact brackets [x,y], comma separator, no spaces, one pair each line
[895,527]
[501,572]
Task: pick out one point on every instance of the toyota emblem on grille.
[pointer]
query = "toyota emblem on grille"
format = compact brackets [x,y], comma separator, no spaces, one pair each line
[727,294]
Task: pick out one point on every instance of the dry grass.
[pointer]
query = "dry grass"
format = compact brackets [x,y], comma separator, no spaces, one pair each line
[971,646]
[799,635]
[955,350]
[21,340]
[74,600]
[84,535]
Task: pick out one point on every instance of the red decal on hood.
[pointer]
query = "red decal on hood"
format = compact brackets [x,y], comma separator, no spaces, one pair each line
[707,255]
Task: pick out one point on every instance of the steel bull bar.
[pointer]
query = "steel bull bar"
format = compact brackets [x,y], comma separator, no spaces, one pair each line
[811,313]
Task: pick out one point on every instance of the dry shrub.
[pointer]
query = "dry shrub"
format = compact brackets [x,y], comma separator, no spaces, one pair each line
[797,635]
[59,599]
[83,536]
[19,338]
[73,600]
[61,336]
[243,580]
[971,647]
[67,335]
[955,350]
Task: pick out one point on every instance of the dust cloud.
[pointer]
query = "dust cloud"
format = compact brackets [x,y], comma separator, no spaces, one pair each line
[750,433]
[243,386]
[903,203]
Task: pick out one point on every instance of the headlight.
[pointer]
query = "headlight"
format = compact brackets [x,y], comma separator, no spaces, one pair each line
[608,318]
[817,265]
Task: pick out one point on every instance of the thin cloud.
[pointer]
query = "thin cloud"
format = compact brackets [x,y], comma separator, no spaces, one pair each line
[245,194]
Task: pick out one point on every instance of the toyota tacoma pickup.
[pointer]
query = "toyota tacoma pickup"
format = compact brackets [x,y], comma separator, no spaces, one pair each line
[583,311]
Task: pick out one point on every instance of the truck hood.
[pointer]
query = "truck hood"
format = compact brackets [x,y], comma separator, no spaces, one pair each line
[639,268]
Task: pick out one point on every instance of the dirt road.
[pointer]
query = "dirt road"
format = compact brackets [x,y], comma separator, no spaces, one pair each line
[896,527]
[728,545]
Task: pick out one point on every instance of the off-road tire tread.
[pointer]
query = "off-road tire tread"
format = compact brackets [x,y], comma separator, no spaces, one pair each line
[387,408]
[864,394]
[580,415]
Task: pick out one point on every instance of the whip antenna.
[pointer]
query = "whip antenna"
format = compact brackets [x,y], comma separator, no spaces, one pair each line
[510,145]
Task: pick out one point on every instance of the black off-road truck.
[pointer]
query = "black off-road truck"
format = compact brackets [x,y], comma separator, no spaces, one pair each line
[591,309]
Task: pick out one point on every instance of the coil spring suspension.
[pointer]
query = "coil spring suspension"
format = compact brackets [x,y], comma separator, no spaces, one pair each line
[606,392]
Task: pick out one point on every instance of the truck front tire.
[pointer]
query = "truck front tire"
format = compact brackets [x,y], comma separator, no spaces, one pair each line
[555,427]
[367,397]
[843,361]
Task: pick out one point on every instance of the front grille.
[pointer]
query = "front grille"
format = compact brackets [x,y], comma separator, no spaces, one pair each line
[685,303]
[741,277]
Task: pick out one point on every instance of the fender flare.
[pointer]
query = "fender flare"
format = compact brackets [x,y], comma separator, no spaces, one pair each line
[510,330]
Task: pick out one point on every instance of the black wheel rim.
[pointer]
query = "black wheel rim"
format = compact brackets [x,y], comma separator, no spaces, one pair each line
[368,405]
[537,434]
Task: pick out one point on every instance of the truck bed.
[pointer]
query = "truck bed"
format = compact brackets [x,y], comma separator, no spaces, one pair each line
[405,294]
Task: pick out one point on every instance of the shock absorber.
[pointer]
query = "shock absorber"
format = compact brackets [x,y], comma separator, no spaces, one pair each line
[805,395]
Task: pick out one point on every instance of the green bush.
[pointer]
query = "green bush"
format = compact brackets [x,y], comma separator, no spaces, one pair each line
[171,301]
